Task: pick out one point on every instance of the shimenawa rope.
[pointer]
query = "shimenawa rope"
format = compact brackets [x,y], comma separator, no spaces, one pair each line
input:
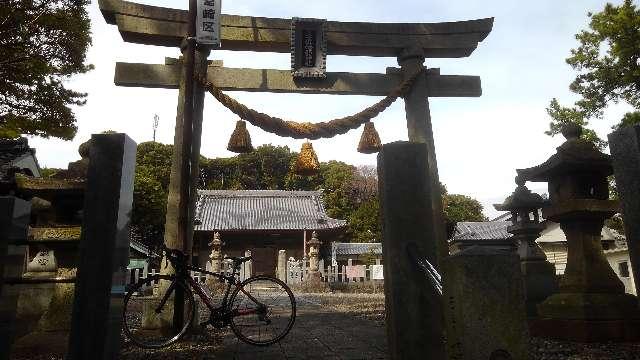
[307,130]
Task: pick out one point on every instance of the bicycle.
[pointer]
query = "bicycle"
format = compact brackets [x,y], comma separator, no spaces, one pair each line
[159,309]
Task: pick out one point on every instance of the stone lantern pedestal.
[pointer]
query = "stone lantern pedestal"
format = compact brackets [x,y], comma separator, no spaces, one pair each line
[591,304]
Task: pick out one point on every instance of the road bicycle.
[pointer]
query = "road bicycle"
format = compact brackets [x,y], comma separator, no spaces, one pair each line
[160,309]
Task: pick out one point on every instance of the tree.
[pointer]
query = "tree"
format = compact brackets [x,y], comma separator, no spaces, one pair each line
[364,222]
[42,43]
[608,65]
[151,187]
[459,208]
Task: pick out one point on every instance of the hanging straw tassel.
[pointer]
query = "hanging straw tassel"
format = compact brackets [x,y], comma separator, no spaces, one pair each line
[240,141]
[370,140]
[307,162]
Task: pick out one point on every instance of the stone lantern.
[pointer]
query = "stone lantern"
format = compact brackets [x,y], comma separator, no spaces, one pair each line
[314,248]
[216,252]
[538,274]
[591,304]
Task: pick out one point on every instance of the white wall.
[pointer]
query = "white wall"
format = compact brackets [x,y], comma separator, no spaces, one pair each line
[617,257]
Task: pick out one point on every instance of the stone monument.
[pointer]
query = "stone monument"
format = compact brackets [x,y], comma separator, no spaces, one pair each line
[484,304]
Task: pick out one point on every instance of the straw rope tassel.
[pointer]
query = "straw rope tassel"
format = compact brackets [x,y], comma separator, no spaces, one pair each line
[307,162]
[370,140]
[240,140]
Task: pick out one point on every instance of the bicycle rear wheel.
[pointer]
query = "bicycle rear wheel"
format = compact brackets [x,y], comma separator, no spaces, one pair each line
[269,319]
[147,321]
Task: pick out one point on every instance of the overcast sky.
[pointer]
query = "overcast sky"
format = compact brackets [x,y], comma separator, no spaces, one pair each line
[479,141]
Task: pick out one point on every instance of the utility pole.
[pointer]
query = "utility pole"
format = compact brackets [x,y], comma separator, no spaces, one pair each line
[156,120]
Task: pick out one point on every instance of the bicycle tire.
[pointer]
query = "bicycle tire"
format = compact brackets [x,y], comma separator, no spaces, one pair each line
[286,306]
[140,326]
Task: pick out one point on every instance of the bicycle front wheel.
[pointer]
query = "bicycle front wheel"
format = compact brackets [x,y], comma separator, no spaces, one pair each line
[263,310]
[150,318]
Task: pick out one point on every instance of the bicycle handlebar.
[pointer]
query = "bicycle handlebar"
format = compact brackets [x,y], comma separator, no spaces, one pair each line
[175,257]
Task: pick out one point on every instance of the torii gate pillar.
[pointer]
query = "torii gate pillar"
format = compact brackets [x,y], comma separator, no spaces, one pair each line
[411,206]
[416,105]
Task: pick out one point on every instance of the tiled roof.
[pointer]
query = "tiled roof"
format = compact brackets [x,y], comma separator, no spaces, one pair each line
[488,230]
[356,248]
[229,210]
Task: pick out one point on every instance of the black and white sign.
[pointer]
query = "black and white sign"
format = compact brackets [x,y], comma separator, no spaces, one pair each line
[208,22]
[308,48]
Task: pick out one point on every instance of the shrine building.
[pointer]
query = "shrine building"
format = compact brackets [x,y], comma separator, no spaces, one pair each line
[263,222]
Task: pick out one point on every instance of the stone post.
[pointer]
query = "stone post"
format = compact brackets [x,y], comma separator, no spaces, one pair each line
[14,219]
[539,274]
[247,266]
[625,154]
[216,253]
[414,320]
[485,305]
[104,249]
[282,265]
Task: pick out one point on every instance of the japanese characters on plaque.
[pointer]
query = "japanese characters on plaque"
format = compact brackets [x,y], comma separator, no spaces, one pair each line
[208,22]
[308,48]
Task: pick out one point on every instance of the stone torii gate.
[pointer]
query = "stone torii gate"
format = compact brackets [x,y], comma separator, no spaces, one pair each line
[409,43]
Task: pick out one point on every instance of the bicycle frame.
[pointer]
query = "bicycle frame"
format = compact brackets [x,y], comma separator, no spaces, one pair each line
[229,280]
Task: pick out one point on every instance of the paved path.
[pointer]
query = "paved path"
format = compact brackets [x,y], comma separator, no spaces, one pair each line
[318,333]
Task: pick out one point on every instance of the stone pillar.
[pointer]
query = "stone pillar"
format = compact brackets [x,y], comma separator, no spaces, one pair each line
[247,266]
[625,153]
[485,311]
[414,319]
[282,265]
[14,219]
[104,249]
[216,253]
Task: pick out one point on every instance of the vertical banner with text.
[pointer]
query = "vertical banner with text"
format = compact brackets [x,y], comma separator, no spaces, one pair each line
[208,22]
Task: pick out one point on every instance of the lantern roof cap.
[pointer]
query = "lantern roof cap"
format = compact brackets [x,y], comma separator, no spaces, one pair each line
[574,155]
[521,198]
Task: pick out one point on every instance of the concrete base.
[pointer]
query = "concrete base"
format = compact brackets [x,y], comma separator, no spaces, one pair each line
[586,330]
[590,306]
[588,317]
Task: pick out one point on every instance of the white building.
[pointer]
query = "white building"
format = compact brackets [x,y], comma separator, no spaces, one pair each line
[552,241]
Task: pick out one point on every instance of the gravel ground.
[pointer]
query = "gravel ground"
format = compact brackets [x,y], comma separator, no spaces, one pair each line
[371,307]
